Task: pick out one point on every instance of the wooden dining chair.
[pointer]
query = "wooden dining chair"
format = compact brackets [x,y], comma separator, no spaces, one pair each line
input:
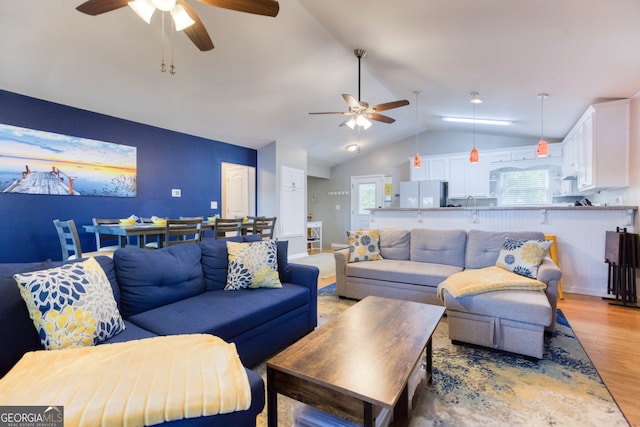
[179,231]
[70,241]
[224,226]
[264,226]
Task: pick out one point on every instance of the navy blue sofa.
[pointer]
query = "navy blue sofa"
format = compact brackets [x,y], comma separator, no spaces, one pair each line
[180,290]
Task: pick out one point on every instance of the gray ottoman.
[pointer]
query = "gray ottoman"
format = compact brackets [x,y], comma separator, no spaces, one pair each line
[511,320]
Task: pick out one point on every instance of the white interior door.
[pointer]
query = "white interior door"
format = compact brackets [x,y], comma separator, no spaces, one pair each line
[367,192]
[239,191]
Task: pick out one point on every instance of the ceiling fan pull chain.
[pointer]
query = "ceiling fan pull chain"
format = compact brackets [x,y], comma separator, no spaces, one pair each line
[172,69]
[163,67]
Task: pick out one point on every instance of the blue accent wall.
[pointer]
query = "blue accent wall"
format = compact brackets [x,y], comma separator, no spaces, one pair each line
[166,160]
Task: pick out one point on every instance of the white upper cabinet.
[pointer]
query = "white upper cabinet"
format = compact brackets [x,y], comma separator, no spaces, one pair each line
[528,153]
[432,168]
[418,174]
[438,168]
[292,178]
[468,179]
[596,150]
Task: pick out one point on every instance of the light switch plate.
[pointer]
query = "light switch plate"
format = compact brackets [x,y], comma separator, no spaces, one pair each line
[176,192]
[214,205]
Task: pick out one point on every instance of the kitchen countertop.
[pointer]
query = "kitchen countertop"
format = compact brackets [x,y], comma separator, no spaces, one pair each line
[514,208]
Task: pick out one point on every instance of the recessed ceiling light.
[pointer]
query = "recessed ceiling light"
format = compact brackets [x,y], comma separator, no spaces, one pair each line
[477,121]
[351,148]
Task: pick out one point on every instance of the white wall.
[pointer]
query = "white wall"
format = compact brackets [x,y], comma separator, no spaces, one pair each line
[270,160]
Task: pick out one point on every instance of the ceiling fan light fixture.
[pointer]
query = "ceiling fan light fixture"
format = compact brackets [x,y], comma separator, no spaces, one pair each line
[143,8]
[181,18]
[362,121]
[164,5]
[351,123]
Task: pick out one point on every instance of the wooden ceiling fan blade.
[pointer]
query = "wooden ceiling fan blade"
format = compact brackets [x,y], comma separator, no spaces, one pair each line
[197,32]
[96,7]
[351,101]
[257,7]
[379,118]
[390,105]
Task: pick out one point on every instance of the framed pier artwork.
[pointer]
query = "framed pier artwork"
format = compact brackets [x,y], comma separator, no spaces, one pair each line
[38,162]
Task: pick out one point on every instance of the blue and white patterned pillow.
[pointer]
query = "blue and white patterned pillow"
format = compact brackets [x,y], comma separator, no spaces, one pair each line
[252,265]
[71,305]
[523,257]
[364,245]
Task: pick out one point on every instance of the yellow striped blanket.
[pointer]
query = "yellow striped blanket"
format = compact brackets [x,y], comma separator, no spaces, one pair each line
[489,279]
[132,383]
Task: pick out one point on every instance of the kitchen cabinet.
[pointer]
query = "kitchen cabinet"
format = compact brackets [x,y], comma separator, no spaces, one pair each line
[292,178]
[528,153]
[433,168]
[292,202]
[418,174]
[597,148]
[438,168]
[468,179]
[500,157]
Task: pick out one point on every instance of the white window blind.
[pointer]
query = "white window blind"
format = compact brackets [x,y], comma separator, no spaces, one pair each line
[524,187]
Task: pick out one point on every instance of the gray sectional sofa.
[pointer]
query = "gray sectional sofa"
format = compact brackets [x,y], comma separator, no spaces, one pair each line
[415,262]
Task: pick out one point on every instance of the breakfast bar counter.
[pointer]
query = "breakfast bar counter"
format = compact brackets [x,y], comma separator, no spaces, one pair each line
[580,232]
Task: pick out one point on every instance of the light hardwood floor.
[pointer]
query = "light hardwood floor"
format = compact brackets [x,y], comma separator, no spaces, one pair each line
[611,337]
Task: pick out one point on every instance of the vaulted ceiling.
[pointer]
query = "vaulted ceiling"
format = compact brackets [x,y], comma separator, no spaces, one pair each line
[266,74]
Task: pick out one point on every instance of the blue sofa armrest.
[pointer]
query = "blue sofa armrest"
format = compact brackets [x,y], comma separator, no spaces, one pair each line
[307,275]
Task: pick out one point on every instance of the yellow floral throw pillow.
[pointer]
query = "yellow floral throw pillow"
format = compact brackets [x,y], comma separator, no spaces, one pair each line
[252,265]
[364,245]
[523,257]
[71,305]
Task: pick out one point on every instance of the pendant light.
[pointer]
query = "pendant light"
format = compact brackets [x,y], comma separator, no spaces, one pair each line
[417,160]
[473,155]
[543,147]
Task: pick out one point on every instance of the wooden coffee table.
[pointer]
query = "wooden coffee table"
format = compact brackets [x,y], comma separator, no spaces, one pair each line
[360,362]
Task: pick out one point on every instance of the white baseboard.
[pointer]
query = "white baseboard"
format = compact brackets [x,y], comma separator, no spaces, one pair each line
[298,255]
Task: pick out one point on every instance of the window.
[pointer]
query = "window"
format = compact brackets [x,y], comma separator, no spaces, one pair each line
[367,193]
[524,186]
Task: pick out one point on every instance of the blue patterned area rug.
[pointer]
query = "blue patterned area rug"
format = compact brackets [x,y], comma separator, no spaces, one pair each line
[473,386]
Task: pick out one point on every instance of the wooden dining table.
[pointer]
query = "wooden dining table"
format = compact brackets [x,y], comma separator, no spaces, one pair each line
[141,230]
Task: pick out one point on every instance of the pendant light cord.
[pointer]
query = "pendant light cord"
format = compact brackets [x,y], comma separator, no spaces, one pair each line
[474,121]
[542,97]
[417,146]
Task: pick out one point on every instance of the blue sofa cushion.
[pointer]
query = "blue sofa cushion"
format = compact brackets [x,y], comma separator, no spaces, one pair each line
[131,332]
[215,260]
[17,333]
[153,278]
[225,314]
[283,261]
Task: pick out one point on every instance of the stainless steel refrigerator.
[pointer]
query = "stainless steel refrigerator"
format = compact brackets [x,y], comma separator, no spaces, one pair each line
[423,194]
